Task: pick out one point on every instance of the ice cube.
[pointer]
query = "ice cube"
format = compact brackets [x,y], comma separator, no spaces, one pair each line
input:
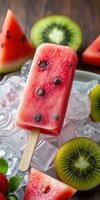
[51,139]
[78,106]
[19,193]
[44,155]
[51,172]
[24,178]
[11,88]
[8,153]
[84,87]
[67,133]
[25,69]
[17,140]
[88,129]
[7,119]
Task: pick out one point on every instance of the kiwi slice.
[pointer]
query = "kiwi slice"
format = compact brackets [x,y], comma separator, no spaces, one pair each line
[56,29]
[77,163]
[94,96]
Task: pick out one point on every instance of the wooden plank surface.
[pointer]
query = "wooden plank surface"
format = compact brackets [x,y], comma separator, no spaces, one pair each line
[85,12]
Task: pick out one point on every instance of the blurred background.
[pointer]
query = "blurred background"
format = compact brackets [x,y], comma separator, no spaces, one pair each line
[85,12]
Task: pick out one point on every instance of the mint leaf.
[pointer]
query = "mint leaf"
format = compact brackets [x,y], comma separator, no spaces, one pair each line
[3,166]
[14,183]
[12,197]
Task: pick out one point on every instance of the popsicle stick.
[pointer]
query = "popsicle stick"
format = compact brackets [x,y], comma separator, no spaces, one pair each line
[28,152]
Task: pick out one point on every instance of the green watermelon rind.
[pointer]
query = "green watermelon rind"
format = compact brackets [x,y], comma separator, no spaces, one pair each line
[13,66]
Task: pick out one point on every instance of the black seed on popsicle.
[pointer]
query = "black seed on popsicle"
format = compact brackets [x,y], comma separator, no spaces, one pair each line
[23,39]
[43,64]
[40,92]
[55,117]
[57,81]
[38,117]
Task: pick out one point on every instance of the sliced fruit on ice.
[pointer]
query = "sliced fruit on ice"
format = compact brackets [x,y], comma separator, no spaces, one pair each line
[91,55]
[94,96]
[44,187]
[77,163]
[15,48]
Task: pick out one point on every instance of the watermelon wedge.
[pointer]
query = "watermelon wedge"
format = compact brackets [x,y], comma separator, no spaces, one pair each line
[44,187]
[15,48]
[91,55]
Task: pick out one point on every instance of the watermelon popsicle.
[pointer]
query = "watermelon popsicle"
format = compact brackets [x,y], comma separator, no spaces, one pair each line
[45,98]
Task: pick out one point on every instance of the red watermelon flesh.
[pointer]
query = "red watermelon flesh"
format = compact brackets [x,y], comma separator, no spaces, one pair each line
[15,48]
[44,187]
[91,55]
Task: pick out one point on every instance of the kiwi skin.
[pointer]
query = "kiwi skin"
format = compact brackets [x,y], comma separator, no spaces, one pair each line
[94,96]
[73,143]
[35,29]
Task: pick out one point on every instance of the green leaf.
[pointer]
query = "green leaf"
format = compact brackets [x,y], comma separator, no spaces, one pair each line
[14,183]
[12,197]
[3,166]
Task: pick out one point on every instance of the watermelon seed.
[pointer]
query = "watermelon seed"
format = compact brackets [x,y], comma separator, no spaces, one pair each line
[2,45]
[38,117]
[70,64]
[8,36]
[8,32]
[40,92]
[57,81]
[46,189]
[23,39]
[43,64]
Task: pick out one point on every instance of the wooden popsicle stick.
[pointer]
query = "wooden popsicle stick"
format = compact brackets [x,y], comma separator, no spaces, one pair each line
[28,152]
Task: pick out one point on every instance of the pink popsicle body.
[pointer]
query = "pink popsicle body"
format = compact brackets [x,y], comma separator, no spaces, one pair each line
[45,97]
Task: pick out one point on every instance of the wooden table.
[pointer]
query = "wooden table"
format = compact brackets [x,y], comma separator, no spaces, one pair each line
[85,12]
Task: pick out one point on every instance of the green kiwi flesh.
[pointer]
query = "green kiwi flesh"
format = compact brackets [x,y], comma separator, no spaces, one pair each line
[77,163]
[57,29]
[95,103]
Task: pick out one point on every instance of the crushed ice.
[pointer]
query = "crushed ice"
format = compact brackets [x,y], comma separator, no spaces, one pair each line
[76,123]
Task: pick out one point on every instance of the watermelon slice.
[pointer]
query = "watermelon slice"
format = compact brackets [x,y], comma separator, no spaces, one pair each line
[44,187]
[91,55]
[15,48]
